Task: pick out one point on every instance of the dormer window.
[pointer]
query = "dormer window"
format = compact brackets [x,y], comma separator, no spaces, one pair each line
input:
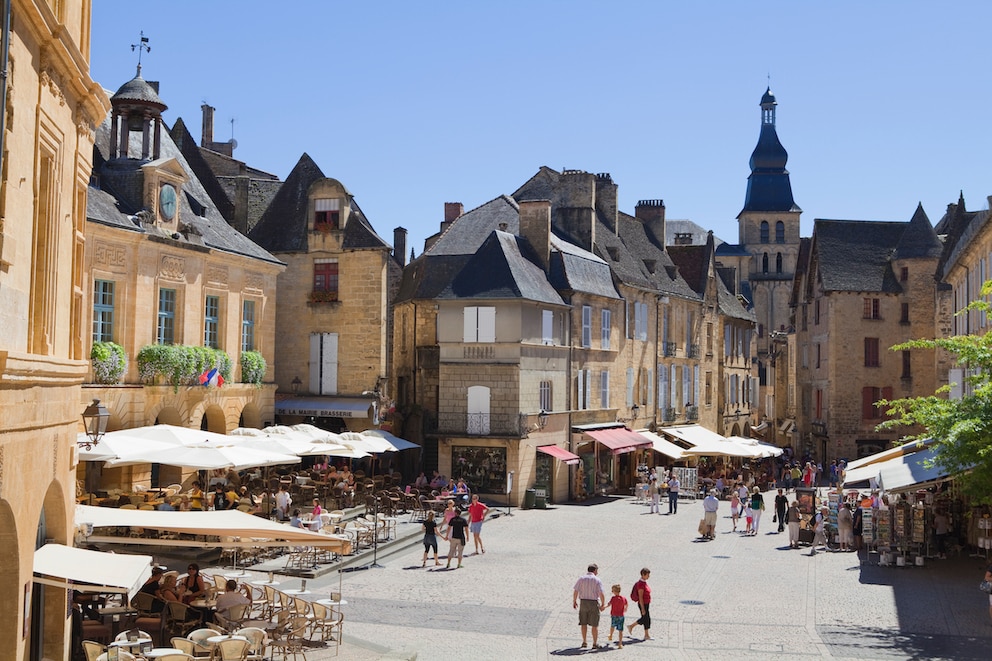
[613,252]
[327,214]
[650,264]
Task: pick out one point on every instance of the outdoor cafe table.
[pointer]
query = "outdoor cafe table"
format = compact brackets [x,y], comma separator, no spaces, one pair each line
[156,652]
[262,584]
[330,603]
[297,592]
[216,640]
[131,643]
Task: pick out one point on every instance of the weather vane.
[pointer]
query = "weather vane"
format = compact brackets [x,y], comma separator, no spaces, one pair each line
[142,45]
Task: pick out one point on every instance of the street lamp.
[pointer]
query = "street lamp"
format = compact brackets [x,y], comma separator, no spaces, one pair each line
[542,419]
[295,385]
[95,419]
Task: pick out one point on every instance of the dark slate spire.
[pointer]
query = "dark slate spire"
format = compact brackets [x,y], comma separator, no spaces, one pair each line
[768,187]
[919,239]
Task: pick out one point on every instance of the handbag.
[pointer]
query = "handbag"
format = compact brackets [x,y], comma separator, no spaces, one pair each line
[985,586]
[775,518]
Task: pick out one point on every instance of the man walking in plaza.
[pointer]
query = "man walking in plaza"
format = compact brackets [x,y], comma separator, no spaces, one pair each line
[673,494]
[476,515]
[588,597]
[710,505]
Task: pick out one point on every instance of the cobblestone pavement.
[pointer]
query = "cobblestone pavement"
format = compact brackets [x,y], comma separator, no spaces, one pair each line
[733,597]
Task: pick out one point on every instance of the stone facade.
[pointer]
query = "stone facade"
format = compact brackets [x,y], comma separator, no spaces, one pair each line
[51,109]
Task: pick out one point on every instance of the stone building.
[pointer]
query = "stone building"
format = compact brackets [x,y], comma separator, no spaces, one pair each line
[164,267]
[865,286]
[964,268]
[550,324]
[333,313]
[50,107]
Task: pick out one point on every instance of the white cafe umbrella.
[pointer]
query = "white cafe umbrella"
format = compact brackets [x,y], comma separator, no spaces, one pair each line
[397,442]
[211,456]
[316,433]
[370,444]
[171,434]
[117,445]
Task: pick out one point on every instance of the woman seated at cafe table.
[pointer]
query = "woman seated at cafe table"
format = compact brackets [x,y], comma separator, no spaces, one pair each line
[192,586]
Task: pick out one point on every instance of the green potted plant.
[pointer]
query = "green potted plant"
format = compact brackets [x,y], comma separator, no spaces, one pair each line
[109,362]
[252,367]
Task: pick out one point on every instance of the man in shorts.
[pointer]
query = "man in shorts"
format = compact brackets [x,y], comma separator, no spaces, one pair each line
[588,597]
[710,506]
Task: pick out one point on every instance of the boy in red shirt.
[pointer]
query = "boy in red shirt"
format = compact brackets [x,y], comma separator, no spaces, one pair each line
[618,606]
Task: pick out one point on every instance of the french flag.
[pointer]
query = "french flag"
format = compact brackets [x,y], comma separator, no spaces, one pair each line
[211,378]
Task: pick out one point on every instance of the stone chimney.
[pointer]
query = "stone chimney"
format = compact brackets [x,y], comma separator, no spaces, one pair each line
[652,214]
[399,245]
[451,212]
[606,200]
[535,227]
[207,131]
[575,213]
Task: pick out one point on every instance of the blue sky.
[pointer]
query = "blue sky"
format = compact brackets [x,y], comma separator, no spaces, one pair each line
[414,104]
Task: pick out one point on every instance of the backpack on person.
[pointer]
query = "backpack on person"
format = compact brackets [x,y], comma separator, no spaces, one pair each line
[634,596]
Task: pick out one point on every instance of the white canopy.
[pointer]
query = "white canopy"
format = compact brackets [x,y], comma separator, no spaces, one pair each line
[663,446]
[252,530]
[170,434]
[208,456]
[398,443]
[91,571]
[370,444]
[758,449]
[119,446]
[292,442]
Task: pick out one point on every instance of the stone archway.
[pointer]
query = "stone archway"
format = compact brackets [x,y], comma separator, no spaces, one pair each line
[48,604]
[11,591]
[170,416]
[250,416]
[214,419]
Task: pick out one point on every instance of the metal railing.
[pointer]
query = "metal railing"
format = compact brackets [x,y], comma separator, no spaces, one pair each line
[668,348]
[477,424]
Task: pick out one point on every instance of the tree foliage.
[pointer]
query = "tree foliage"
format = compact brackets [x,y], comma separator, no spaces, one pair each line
[961,428]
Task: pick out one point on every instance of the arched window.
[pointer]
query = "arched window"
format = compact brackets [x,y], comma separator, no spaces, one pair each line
[764,263]
[764,231]
[780,232]
[778,262]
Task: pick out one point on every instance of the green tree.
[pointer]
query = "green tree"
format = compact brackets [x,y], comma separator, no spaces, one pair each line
[961,428]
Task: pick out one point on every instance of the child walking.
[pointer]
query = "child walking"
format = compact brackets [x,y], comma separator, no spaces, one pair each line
[749,518]
[735,509]
[618,606]
[430,538]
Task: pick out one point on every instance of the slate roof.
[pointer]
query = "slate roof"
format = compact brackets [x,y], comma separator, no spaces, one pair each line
[698,232]
[958,227]
[639,251]
[919,240]
[191,152]
[499,270]
[138,90]
[283,225]
[853,255]
[694,265]
[571,268]
[120,197]
[576,270]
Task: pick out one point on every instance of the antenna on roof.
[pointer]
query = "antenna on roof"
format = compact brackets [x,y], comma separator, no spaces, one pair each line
[142,45]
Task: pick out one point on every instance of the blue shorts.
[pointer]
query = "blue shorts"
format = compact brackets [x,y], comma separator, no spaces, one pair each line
[616,622]
[475,527]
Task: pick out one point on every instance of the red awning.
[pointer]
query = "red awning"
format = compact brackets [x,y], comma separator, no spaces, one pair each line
[619,439]
[559,453]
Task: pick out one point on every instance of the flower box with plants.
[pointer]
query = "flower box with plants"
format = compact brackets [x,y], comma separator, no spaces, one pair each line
[109,361]
[252,367]
[180,364]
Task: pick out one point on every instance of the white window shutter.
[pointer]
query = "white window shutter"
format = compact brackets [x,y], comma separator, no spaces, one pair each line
[487,324]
